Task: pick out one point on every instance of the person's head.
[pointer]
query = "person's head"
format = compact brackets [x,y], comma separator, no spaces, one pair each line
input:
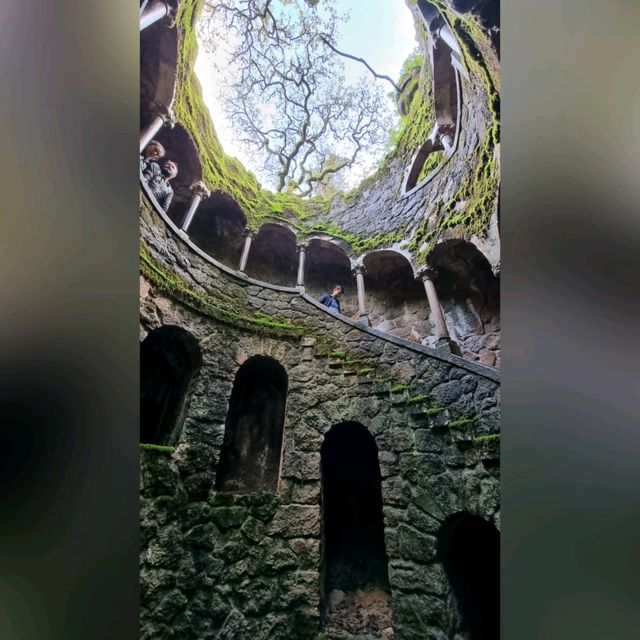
[170,169]
[337,291]
[154,151]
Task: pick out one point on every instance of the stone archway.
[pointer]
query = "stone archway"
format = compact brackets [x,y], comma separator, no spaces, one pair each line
[252,446]
[468,548]
[356,594]
[273,257]
[169,360]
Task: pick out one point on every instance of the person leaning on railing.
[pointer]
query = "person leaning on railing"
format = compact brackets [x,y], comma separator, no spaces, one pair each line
[158,174]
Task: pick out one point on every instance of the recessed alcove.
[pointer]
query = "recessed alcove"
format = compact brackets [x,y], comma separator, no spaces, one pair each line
[356,594]
[273,257]
[218,228]
[468,547]
[470,297]
[326,266]
[397,302]
[169,361]
[252,446]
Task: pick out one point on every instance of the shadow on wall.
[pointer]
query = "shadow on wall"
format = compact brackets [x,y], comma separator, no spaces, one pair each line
[170,359]
[250,455]
[327,265]
[397,303]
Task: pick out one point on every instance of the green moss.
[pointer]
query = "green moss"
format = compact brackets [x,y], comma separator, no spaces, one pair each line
[462,423]
[486,439]
[338,354]
[433,411]
[421,399]
[398,388]
[157,448]
[169,282]
[365,371]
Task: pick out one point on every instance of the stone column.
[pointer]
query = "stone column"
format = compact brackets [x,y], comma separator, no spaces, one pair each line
[164,117]
[302,253]
[362,302]
[427,275]
[248,237]
[200,191]
[154,10]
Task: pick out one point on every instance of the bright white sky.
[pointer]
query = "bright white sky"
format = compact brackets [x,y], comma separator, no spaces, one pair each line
[380,31]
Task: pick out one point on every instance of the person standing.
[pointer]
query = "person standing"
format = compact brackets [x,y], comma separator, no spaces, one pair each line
[332,300]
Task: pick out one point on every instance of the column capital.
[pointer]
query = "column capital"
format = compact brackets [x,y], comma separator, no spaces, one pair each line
[358,270]
[249,233]
[496,270]
[301,247]
[166,113]
[200,189]
[427,273]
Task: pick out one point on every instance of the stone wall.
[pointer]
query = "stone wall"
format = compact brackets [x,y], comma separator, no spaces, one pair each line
[221,565]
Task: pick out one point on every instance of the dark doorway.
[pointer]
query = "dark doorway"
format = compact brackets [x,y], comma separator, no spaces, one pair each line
[355,577]
[469,550]
[169,360]
[251,451]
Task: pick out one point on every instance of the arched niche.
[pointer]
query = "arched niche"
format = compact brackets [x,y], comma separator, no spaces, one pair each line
[354,560]
[181,148]
[397,303]
[327,265]
[470,297]
[170,359]
[158,61]
[218,228]
[468,547]
[252,446]
[273,257]
[443,139]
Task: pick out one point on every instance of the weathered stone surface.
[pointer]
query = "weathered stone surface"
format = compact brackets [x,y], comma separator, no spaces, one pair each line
[295,521]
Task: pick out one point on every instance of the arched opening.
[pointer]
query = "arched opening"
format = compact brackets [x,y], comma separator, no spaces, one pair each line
[442,141]
[169,360]
[469,549]
[397,303]
[158,60]
[470,297]
[218,228]
[273,257]
[180,148]
[326,266]
[252,446]
[354,573]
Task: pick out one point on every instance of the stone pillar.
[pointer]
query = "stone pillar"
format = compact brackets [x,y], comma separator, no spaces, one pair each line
[200,191]
[427,275]
[302,253]
[362,302]
[154,10]
[248,237]
[163,117]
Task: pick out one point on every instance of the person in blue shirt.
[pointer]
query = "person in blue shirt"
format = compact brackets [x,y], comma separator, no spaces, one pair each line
[332,301]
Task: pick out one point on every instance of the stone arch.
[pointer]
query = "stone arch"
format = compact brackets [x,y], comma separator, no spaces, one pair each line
[396,302]
[158,62]
[470,297]
[354,557]
[181,148]
[252,448]
[326,265]
[468,548]
[442,141]
[170,359]
[218,228]
[273,257]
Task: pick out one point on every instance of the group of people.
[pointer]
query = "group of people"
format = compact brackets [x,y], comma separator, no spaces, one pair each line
[158,172]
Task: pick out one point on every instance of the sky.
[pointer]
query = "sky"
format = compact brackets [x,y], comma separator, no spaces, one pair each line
[380,31]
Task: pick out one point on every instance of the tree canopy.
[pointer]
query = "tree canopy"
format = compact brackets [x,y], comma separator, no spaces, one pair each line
[285,94]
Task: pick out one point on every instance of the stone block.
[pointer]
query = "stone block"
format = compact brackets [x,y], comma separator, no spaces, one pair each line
[229,517]
[294,521]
